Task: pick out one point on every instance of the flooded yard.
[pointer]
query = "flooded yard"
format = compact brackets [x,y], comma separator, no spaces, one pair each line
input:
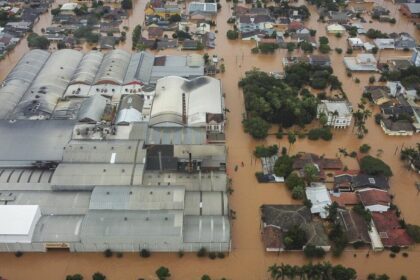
[248,260]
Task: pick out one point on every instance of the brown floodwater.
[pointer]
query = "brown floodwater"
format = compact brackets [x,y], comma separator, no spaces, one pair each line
[248,260]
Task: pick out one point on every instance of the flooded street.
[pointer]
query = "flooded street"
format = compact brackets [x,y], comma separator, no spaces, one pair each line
[248,260]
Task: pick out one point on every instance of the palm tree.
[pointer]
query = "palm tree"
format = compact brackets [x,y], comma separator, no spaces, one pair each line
[291,137]
[275,272]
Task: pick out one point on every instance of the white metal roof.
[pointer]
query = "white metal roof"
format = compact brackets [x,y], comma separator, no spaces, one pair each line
[17,219]
[318,194]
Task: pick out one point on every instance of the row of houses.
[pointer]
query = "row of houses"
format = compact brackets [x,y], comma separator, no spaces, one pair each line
[351,192]
[22,18]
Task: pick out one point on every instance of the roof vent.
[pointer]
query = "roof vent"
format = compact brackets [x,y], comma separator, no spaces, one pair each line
[125,218]
[166,218]
[107,193]
[151,193]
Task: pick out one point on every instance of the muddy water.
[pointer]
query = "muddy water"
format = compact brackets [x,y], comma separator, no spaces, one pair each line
[248,259]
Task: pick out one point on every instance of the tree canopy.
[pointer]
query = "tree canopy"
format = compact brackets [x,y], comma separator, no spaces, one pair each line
[36,41]
[274,101]
[374,166]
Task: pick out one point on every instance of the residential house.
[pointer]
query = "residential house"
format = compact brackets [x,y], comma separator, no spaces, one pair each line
[336,29]
[354,226]
[375,200]
[166,43]
[209,40]
[68,8]
[355,43]
[107,42]
[344,199]
[410,9]
[338,17]
[339,113]
[252,23]
[276,220]
[361,63]
[348,181]
[390,231]
[190,45]
[405,42]
[321,164]
[319,60]
[415,57]
[203,8]
[317,194]
[397,128]
[378,94]
[154,33]
[295,25]
[164,12]
[384,43]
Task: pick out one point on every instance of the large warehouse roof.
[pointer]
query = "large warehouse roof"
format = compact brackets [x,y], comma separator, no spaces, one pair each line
[17,219]
[88,67]
[58,228]
[113,67]
[131,226]
[28,66]
[24,142]
[137,198]
[111,151]
[140,68]
[50,84]
[88,175]
[206,229]
[201,96]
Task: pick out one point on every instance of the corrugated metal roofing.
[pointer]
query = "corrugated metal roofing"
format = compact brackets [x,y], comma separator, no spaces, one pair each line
[206,229]
[137,198]
[58,228]
[88,67]
[176,136]
[113,67]
[92,109]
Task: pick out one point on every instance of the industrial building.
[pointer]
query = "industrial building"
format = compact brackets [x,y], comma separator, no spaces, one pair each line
[87,165]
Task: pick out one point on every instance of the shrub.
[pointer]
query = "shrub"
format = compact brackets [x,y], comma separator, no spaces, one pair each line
[392,255]
[73,277]
[202,252]
[221,255]
[144,253]
[414,232]
[98,276]
[365,148]
[405,254]
[119,254]
[371,79]
[163,273]
[212,255]
[313,252]
[232,34]
[338,50]
[338,35]
[357,81]
[395,249]
[205,277]
[108,253]
[374,166]
[180,253]
[18,254]
[255,50]
[358,244]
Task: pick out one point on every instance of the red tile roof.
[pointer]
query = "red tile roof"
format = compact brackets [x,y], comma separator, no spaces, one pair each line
[345,198]
[374,196]
[389,229]
[272,238]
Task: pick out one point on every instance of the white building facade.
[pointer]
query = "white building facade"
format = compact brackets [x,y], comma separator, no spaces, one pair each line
[339,113]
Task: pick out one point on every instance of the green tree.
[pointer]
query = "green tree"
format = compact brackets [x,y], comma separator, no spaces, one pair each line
[298,192]
[374,166]
[38,42]
[98,276]
[256,126]
[291,137]
[283,166]
[365,148]
[163,273]
[295,238]
[232,34]
[414,232]
[324,48]
[205,277]
[312,251]
[323,40]
[74,277]
[311,172]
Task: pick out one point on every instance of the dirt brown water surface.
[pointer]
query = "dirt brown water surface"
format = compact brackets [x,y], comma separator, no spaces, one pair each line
[248,261]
